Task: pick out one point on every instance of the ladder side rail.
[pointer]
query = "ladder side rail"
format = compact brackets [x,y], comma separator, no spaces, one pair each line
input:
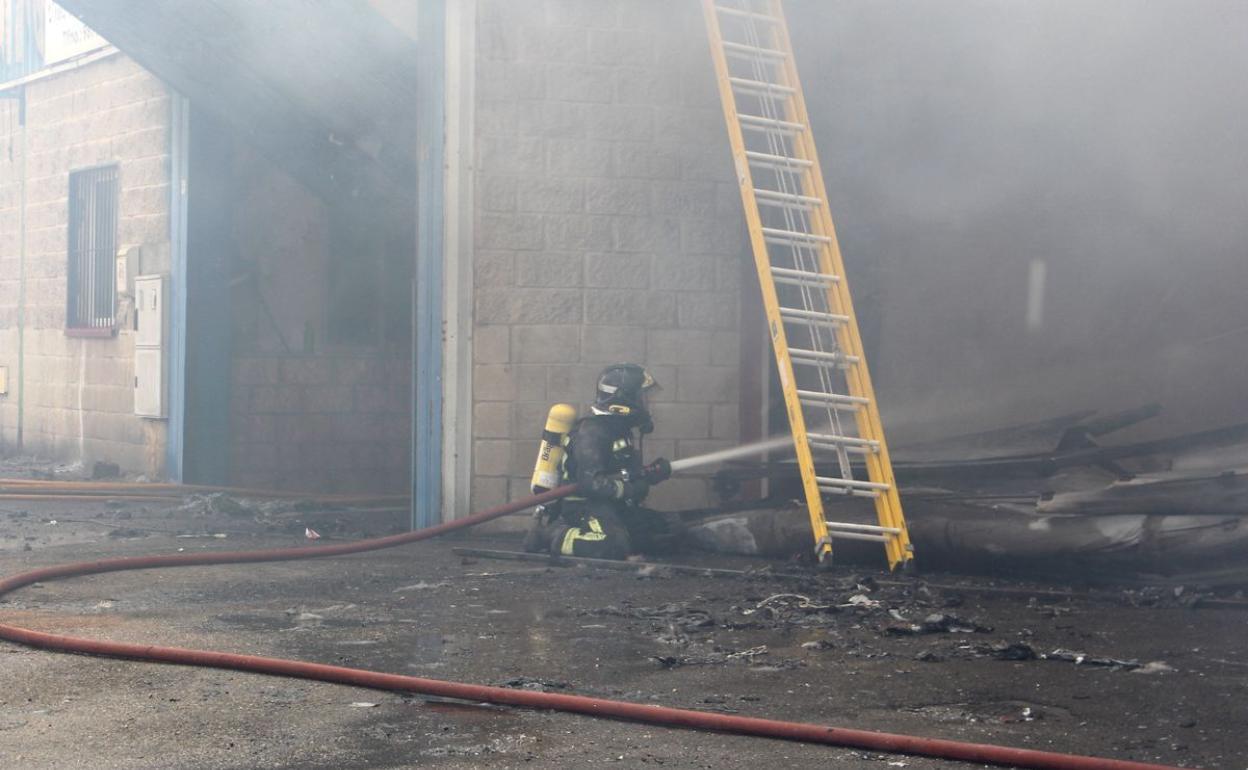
[762,261]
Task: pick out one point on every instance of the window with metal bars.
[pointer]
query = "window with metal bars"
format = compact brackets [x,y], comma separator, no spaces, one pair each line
[92,291]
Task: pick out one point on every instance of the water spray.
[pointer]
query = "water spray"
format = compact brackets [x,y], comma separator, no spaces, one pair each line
[723,455]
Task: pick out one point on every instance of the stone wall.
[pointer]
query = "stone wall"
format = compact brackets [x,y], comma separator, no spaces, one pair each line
[608,228]
[79,399]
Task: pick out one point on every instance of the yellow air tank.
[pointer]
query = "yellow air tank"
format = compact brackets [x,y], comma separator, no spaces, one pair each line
[547,471]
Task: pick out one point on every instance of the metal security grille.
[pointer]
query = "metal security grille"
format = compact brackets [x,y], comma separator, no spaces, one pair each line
[92,298]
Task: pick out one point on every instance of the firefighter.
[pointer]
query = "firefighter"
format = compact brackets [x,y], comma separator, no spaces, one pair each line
[605,518]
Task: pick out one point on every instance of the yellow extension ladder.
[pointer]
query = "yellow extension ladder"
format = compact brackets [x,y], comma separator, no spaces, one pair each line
[814,334]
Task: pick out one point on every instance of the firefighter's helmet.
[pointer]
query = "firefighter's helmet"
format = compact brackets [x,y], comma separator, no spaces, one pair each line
[622,389]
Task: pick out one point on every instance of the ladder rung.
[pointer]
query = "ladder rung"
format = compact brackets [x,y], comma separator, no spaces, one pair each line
[760,86]
[775,197]
[768,124]
[836,481]
[823,399]
[842,362]
[857,450]
[780,161]
[752,50]
[791,237]
[791,277]
[862,443]
[816,355]
[743,14]
[854,527]
[794,314]
[858,535]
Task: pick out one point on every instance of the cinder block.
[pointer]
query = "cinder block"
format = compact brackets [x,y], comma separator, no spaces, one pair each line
[726,348]
[547,269]
[678,493]
[328,398]
[694,126]
[655,235]
[708,384]
[491,457]
[621,46]
[508,231]
[578,13]
[731,271]
[578,82]
[647,160]
[546,344]
[493,382]
[616,307]
[694,272]
[712,236]
[491,344]
[276,400]
[726,422]
[709,310]
[488,492]
[572,384]
[528,306]
[550,120]
[305,371]
[563,43]
[523,456]
[497,118]
[681,421]
[528,419]
[493,268]
[678,346]
[695,447]
[255,371]
[492,419]
[622,122]
[617,271]
[609,344]
[510,79]
[551,195]
[646,86]
[496,42]
[579,158]
[619,197]
[496,192]
[369,398]
[706,162]
[684,198]
[530,381]
[577,232]
[509,154]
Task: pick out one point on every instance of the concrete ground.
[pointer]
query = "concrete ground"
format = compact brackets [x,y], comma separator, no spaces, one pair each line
[721,644]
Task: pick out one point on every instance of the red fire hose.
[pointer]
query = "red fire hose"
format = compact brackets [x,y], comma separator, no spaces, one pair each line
[598,707]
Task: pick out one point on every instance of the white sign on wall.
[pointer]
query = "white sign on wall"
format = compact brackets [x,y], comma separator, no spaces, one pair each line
[65,37]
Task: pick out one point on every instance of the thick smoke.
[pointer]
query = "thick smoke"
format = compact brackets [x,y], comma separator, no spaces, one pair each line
[965,144]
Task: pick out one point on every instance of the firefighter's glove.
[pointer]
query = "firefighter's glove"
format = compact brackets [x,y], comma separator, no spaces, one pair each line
[636,491]
[658,471]
[613,488]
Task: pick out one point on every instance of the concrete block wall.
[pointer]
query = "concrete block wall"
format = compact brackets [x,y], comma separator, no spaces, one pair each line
[325,419]
[79,391]
[608,228]
[321,423]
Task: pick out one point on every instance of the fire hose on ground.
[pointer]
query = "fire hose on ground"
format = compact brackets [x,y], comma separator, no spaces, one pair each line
[597,707]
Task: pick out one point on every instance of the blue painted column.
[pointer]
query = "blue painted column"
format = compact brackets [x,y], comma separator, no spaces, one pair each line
[427,276]
[179,134]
